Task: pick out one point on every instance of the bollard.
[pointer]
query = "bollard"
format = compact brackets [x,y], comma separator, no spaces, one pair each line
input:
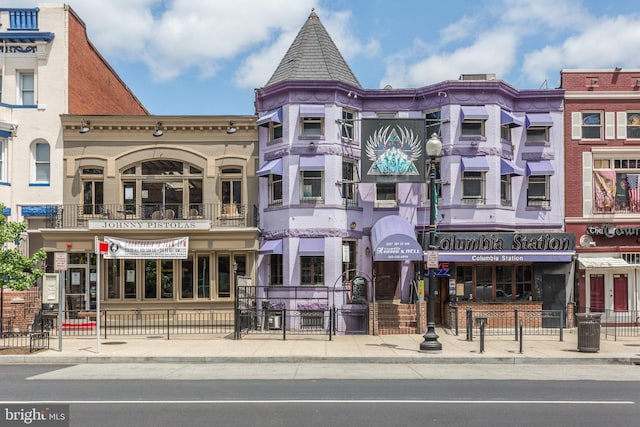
[284,324]
[481,335]
[469,325]
[521,337]
[562,317]
[331,322]
[515,316]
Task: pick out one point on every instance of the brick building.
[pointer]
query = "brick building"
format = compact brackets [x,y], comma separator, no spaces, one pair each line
[602,204]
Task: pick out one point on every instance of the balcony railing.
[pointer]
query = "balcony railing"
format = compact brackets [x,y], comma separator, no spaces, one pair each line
[79,216]
[23,19]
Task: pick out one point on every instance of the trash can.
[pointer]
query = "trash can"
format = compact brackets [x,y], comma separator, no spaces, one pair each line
[588,332]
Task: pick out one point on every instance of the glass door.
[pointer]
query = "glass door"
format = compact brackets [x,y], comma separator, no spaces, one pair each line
[77,289]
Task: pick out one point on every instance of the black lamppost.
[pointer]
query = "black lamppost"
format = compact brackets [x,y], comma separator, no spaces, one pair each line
[430,343]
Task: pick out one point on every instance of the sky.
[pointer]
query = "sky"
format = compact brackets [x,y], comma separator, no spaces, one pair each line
[206,57]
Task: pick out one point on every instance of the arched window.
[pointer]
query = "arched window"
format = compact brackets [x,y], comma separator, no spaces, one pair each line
[162,189]
[41,155]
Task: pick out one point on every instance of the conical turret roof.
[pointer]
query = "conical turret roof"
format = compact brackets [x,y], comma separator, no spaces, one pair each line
[313,56]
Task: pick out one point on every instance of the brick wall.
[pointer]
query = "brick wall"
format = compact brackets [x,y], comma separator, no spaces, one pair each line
[19,309]
[94,87]
[529,312]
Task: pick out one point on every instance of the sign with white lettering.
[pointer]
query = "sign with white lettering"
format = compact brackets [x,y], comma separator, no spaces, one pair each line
[133,224]
[60,261]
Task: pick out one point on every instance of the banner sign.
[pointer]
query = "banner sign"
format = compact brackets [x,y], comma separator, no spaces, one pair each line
[393,150]
[147,249]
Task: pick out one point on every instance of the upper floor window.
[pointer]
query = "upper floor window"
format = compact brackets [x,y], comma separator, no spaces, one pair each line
[473,187]
[347,127]
[386,195]
[312,120]
[538,191]
[231,190]
[633,125]
[92,190]
[616,189]
[505,133]
[41,162]
[433,122]
[275,131]
[311,185]
[26,88]
[275,190]
[538,134]
[349,265]
[312,270]
[505,190]
[591,127]
[276,270]
[473,119]
[349,189]
[3,160]
[386,115]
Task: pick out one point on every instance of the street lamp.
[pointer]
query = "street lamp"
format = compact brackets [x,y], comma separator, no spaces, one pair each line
[430,343]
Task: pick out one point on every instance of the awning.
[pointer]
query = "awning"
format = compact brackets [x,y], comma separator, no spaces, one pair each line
[312,163]
[604,262]
[394,239]
[311,246]
[5,134]
[272,167]
[539,119]
[508,119]
[542,167]
[271,247]
[311,110]
[509,168]
[274,116]
[473,112]
[477,164]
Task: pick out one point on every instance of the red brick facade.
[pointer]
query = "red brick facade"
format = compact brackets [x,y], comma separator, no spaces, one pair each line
[94,87]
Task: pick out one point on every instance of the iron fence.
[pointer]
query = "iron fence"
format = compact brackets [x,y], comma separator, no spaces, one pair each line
[34,341]
[140,322]
[616,323]
[511,322]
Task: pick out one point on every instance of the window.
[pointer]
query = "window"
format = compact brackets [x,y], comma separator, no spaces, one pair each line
[386,196]
[275,270]
[311,184]
[275,131]
[231,191]
[349,265]
[538,134]
[505,190]
[433,122]
[386,115]
[312,126]
[592,125]
[312,319]
[473,187]
[633,125]
[524,283]
[312,270]
[26,88]
[187,276]
[472,128]
[41,157]
[349,193]
[484,283]
[162,189]
[504,283]
[538,191]
[92,190]
[505,133]
[275,190]
[347,128]
[203,273]
[130,291]
[3,160]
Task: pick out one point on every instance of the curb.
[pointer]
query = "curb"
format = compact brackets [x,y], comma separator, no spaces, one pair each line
[73,360]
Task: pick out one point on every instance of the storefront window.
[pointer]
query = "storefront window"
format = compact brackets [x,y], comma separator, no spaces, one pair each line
[167,279]
[204,288]
[130,279]
[187,278]
[484,288]
[113,278]
[225,272]
[150,274]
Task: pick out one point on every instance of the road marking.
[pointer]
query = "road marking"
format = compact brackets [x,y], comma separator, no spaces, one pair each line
[321,401]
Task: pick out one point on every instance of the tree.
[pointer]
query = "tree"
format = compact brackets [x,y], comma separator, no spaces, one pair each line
[17,271]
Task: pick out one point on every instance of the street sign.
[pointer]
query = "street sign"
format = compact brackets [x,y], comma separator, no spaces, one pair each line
[432,259]
[60,261]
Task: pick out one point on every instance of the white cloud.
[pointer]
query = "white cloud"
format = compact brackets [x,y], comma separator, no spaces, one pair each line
[492,52]
[611,42]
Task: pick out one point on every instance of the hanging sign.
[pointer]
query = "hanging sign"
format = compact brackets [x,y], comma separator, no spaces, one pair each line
[176,248]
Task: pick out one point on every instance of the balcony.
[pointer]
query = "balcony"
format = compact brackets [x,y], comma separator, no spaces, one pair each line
[74,216]
[23,19]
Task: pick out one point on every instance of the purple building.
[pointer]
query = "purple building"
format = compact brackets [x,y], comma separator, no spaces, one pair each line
[345,205]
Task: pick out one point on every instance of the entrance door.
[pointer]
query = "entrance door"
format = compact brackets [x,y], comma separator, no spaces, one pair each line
[386,274]
[554,296]
[76,289]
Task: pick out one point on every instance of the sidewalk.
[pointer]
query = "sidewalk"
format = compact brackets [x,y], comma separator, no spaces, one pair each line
[342,349]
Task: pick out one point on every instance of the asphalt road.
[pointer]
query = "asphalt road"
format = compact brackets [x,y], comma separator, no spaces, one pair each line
[183,395]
